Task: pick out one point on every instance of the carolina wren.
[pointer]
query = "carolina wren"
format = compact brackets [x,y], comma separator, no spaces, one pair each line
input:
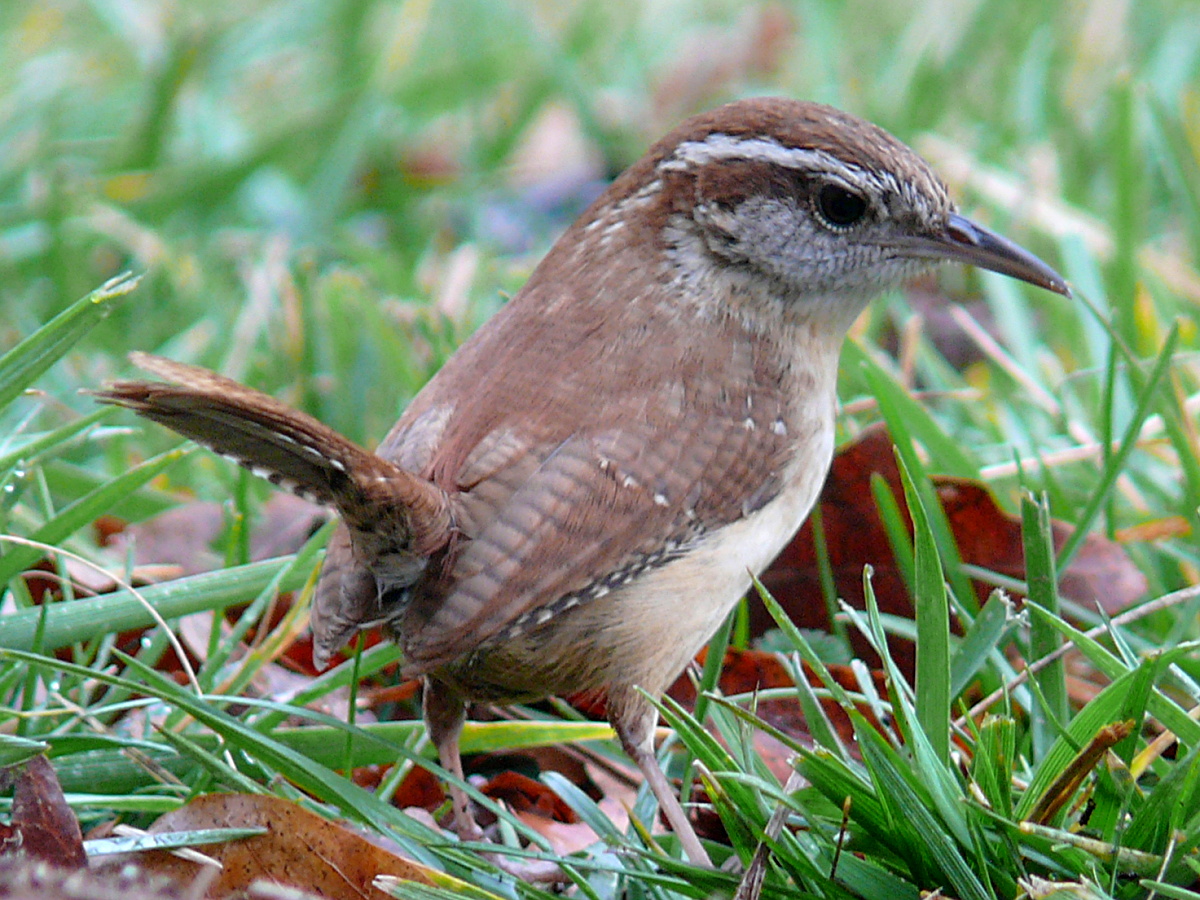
[581,494]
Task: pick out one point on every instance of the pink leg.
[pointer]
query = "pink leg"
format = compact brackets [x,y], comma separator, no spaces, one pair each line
[634,720]
[445,714]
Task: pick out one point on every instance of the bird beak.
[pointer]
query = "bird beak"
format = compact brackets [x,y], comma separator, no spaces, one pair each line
[965,242]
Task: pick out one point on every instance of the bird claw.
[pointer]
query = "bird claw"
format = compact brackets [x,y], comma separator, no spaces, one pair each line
[532,871]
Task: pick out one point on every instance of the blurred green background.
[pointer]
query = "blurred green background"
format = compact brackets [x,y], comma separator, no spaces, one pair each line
[326,197]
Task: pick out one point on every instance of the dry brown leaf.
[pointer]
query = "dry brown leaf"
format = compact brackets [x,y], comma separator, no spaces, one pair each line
[300,849]
[987,537]
[183,536]
[43,825]
[521,793]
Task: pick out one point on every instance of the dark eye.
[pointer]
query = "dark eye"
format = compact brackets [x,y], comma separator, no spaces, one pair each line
[838,207]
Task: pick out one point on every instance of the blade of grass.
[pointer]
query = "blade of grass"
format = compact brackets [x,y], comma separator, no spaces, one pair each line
[927,842]
[896,529]
[904,425]
[16,750]
[1042,581]
[994,761]
[933,626]
[908,418]
[1162,706]
[57,439]
[97,763]
[297,768]
[1104,708]
[24,363]
[987,635]
[70,623]
[806,652]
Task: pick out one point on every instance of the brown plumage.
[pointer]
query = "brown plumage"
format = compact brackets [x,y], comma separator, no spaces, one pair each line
[581,494]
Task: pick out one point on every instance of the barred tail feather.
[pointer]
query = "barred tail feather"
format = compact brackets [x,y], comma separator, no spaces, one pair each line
[284,446]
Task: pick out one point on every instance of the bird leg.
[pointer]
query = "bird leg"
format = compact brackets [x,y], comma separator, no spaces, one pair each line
[445,713]
[632,717]
[634,720]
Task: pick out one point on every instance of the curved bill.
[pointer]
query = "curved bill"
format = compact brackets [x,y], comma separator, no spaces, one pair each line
[966,242]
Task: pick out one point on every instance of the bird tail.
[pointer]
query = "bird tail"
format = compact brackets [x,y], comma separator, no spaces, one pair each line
[292,450]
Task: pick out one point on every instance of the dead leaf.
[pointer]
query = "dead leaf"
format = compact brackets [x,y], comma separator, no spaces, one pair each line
[183,536]
[43,825]
[986,535]
[419,789]
[300,849]
[616,796]
[522,794]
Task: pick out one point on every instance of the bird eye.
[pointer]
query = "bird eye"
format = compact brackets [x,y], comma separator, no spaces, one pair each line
[839,208]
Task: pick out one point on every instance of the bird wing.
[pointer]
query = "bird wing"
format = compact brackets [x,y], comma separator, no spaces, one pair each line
[551,523]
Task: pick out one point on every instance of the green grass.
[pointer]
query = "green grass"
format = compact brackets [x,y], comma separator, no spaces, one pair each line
[322,200]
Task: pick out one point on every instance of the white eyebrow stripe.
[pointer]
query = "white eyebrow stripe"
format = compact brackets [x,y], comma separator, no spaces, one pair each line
[723,146]
[719,146]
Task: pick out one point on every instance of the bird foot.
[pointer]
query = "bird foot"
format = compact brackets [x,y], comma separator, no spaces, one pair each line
[532,871]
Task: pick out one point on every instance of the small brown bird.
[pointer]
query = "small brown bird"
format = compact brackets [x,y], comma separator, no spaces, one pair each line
[582,493]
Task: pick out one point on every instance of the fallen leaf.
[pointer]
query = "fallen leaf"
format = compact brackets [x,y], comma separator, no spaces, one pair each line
[522,794]
[854,535]
[183,536]
[418,789]
[43,826]
[300,849]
